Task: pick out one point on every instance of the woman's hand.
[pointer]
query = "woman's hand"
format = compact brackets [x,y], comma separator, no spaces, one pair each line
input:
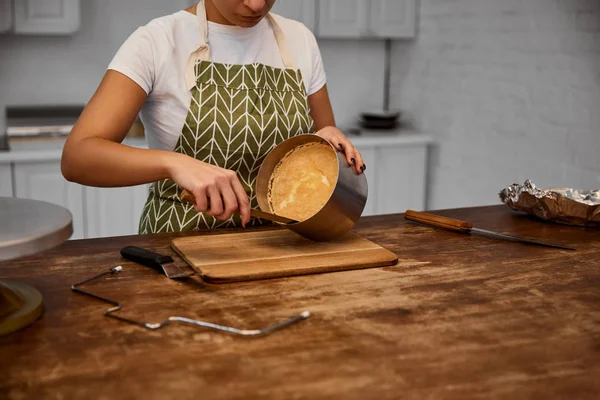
[217,191]
[334,136]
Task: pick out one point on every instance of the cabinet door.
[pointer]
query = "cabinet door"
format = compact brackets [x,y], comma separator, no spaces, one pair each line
[6,15]
[6,189]
[343,18]
[369,156]
[46,16]
[300,10]
[392,18]
[114,211]
[44,181]
[401,179]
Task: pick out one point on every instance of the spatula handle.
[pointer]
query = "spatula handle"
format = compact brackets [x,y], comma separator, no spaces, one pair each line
[145,257]
[436,220]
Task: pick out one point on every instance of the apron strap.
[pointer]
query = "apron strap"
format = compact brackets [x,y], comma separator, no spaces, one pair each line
[284,51]
[202,53]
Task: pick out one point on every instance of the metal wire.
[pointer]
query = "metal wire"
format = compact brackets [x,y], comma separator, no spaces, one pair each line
[155,326]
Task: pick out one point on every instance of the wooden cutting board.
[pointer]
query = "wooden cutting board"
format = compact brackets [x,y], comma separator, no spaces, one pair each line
[258,255]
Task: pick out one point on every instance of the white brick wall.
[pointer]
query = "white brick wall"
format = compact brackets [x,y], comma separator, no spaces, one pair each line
[510,89]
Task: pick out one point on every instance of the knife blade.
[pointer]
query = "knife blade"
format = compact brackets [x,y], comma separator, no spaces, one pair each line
[466,227]
[189,197]
[161,263]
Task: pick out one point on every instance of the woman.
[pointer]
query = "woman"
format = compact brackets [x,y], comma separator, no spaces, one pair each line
[217,86]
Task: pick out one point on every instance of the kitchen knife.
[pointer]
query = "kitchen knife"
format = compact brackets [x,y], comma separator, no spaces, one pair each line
[466,227]
[189,197]
[161,263]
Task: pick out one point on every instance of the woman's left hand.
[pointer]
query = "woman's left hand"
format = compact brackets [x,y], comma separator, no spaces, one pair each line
[334,136]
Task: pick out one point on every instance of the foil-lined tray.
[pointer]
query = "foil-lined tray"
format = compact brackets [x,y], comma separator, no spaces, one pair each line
[562,205]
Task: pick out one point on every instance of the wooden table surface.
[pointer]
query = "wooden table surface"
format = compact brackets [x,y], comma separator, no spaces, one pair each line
[471,318]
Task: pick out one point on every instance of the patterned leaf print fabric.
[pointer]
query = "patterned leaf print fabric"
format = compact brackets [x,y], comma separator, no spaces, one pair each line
[238,113]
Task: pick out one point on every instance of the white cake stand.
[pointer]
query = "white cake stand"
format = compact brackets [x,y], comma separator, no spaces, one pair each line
[27,227]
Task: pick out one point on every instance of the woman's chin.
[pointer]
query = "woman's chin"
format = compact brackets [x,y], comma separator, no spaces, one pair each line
[248,22]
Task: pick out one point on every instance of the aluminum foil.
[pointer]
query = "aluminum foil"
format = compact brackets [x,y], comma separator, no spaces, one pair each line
[562,205]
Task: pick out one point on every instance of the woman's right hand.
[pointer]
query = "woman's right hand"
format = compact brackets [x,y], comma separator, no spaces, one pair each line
[217,191]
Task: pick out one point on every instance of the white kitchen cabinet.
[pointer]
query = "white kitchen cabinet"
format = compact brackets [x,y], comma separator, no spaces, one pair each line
[401,185]
[299,10]
[396,176]
[48,17]
[114,211]
[392,18]
[6,15]
[396,172]
[43,181]
[369,157]
[343,18]
[97,212]
[6,189]
[366,19]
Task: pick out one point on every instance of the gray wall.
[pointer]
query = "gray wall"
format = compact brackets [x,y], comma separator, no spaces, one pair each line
[50,70]
[510,89]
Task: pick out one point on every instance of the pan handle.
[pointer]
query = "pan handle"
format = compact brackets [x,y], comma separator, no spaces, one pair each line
[187,196]
[439,221]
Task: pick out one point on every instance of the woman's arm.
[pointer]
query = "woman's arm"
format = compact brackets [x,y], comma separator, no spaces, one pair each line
[94,156]
[322,113]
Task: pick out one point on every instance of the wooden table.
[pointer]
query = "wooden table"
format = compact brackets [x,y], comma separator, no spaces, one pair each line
[475,318]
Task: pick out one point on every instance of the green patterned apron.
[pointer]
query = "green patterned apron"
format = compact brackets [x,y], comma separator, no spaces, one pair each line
[237,114]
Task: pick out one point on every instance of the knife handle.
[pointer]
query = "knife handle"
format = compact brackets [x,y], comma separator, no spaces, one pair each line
[146,257]
[436,220]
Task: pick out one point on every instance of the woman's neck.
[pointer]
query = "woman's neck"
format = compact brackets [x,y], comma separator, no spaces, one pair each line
[212,14]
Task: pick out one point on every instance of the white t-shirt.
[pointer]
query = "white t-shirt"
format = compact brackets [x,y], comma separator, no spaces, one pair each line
[155,57]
